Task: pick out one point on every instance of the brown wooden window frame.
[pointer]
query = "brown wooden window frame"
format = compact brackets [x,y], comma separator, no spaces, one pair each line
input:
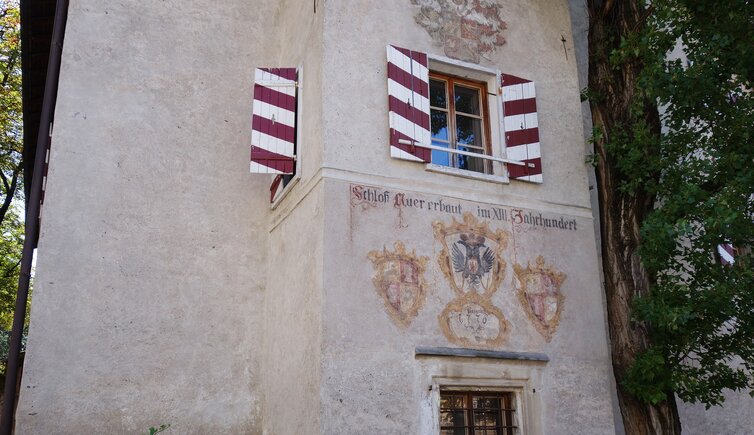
[507,413]
[450,85]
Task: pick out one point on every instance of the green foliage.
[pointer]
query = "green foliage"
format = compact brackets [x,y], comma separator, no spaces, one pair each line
[155,430]
[11,144]
[11,244]
[10,81]
[700,314]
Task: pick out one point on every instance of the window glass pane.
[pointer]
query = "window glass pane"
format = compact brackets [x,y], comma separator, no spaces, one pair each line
[471,163]
[437,94]
[453,422]
[439,124]
[487,419]
[455,418]
[468,131]
[452,401]
[467,100]
[441,157]
[472,414]
[486,402]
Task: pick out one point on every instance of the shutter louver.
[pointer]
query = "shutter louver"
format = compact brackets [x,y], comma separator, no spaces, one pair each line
[273,124]
[408,94]
[727,254]
[521,128]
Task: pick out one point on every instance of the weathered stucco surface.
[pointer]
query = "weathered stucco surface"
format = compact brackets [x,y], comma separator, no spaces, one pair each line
[148,303]
[371,377]
[169,291]
[372,381]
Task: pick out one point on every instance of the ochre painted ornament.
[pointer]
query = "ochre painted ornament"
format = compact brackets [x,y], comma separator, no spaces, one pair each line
[471,260]
[472,321]
[540,295]
[399,281]
[471,257]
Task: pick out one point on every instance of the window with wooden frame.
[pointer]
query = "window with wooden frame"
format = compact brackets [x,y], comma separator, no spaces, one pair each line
[459,120]
[478,413]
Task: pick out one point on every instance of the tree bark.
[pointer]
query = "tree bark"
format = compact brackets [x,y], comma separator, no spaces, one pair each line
[622,213]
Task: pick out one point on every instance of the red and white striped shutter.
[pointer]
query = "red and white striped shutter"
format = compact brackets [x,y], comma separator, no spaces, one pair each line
[521,128]
[726,253]
[273,124]
[408,94]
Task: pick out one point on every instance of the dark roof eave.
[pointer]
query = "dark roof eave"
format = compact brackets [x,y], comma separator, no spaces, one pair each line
[37,17]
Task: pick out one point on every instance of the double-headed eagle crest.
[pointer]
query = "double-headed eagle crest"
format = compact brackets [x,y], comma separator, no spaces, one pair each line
[472,265]
[471,255]
[471,260]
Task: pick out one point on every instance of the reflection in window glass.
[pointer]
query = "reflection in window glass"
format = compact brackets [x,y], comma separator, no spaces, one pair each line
[471,413]
[468,130]
[437,94]
[458,121]
[467,100]
[439,157]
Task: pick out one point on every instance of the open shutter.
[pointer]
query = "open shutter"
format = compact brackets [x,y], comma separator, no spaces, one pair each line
[727,254]
[273,124]
[408,94]
[521,128]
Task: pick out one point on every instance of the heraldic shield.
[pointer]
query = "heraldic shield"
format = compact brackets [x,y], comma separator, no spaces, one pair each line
[399,281]
[540,295]
[471,257]
[471,260]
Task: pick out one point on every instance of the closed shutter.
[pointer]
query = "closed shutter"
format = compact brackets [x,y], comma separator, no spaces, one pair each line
[521,128]
[273,124]
[727,254]
[408,94]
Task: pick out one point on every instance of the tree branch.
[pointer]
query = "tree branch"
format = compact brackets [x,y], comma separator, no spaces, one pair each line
[10,192]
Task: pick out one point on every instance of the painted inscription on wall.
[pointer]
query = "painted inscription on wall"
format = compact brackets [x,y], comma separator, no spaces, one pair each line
[474,240]
[520,219]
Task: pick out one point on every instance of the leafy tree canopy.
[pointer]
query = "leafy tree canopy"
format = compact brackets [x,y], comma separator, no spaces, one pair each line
[698,65]
[11,190]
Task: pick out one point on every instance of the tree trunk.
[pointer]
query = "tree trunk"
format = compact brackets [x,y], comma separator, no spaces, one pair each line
[621,213]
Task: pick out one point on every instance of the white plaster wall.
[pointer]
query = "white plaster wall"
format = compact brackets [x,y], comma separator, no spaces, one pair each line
[735,417]
[292,322]
[290,356]
[372,383]
[355,92]
[148,297]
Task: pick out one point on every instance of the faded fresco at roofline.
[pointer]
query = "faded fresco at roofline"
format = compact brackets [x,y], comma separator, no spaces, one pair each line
[468,30]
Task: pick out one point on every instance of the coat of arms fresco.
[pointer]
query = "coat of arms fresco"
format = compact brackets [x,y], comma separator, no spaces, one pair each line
[471,257]
[399,281]
[540,295]
[471,260]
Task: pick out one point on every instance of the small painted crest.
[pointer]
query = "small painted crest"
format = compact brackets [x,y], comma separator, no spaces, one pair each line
[399,280]
[471,258]
[540,295]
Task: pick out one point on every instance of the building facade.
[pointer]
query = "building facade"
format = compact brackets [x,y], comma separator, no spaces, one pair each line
[358,281]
